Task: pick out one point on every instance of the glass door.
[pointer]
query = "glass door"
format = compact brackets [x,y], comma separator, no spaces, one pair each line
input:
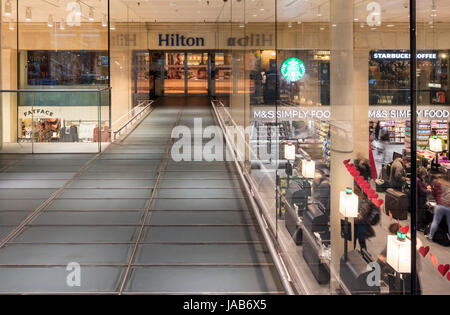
[222,78]
[174,82]
[197,73]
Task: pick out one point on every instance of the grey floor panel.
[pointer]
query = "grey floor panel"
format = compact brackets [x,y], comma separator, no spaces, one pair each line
[113,183]
[6,164]
[169,174]
[52,162]
[203,279]
[199,204]
[26,193]
[125,156]
[52,254]
[53,279]
[200,217]
[52,156]
[201,234]
[4,230]
[199,193]
[88,218]
[35,175]
[106,193]
[41,183]
[154,148]
[201,254]
[199,167]
[129,168]
[97,204]
[127,163]
[139,151]
[199,183]
[117,175]
[45,168]
[92,234]
[21,204]
[12,218]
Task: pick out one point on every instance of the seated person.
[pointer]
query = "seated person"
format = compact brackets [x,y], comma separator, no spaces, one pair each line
[397,178]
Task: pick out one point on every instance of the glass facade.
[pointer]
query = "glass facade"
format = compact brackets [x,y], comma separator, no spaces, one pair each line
[342,110]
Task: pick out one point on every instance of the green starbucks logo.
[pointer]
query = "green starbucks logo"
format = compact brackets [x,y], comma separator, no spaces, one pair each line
[293,69]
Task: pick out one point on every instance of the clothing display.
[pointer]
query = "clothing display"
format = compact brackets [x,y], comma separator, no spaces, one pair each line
[49,129]
[69,134]
[86,132]
[104,134]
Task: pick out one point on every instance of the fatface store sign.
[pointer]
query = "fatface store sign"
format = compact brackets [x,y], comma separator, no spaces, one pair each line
[37,113]
[396,113]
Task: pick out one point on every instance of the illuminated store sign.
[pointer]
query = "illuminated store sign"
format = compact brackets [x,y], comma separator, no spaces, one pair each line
[260,113]
[251,40]
[401,55]
[171,40]
[293,69]
[124,40]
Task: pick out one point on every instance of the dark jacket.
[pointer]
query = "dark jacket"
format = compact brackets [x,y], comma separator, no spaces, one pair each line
[421,192]
[364,169]
[69,134]
[397,178]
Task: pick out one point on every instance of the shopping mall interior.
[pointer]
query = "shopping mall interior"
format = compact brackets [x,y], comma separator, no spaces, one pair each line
[251,147]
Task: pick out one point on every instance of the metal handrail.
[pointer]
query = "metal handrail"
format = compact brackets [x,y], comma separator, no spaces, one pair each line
[257,204]
[145,105]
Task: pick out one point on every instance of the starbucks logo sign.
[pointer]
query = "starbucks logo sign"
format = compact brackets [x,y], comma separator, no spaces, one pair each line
[293,69]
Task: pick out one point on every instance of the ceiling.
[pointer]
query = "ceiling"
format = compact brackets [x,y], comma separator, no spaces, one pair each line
[392,11]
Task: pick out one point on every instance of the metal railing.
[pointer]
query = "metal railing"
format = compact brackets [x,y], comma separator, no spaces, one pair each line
[255,199]
[143,108]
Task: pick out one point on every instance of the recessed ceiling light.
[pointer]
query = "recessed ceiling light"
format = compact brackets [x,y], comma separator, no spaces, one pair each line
[28,14]
[91,14]
[390,25]
[50,21]
[78,9]
[8,8]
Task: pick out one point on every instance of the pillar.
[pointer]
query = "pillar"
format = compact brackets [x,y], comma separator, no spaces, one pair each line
[349,120]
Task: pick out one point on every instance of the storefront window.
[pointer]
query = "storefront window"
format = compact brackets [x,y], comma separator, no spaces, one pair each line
[58,62]
[67,68]
[389,77]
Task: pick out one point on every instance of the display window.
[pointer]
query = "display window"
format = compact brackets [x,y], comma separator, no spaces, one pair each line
[389,77]
[61,125]
[66,67]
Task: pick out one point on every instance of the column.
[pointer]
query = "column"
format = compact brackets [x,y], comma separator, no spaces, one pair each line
[349,120]
[1,74]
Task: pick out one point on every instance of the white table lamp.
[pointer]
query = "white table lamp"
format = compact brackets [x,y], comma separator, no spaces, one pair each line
[399,252]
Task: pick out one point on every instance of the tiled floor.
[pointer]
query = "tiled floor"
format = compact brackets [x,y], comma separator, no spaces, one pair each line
[136,221]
